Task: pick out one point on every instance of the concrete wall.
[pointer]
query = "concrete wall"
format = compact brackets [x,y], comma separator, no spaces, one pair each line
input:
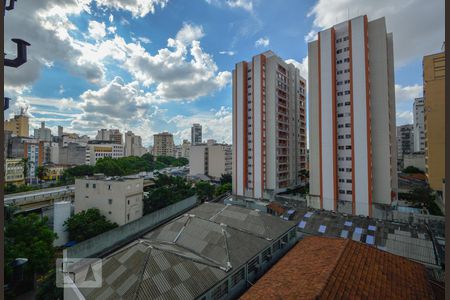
[103,243]
[61,212]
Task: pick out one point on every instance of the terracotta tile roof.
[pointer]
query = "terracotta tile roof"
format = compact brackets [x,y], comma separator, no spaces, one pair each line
[334,268]
[276,207]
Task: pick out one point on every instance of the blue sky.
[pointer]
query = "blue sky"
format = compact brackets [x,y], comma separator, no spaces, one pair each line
[155,65]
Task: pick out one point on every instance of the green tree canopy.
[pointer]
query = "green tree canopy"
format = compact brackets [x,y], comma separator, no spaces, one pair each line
[204,190]
[412,170]
[87,224]
[225,178]
[29,237]
[222,189]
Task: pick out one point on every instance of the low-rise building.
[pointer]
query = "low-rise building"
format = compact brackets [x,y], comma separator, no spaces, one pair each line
[185,148]
[416,159]
[211,159]
[14,171]
[54,171]
[100,149]
[120,200]
[72,154]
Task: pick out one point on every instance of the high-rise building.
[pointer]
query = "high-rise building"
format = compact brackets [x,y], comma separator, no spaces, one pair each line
[163,144]
[19,125]
[405,143]
[34,153]
[211,159]
[353,158]
[133,145]
[43,133]
[434,94]
[101,149]
[185,149]
[111,135]
[419,124]
[60,131]
[196,134]
[269,127]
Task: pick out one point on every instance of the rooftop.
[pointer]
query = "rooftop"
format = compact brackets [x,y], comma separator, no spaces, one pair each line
[335,268]
[189,255]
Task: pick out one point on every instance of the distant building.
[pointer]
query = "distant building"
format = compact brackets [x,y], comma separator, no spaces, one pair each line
[19,125]
[419,125]
[434,98]
[133,145]
[43,133]
[196,134]
[71,154]
[163,144]
[74,138]
[177,151]
[333,268]
[100,149]
[112,135]
[185,149]
[119,200]
[34,152]
[210,159]
[405,143]
[54,171]
[269,127]
[353,152]
[60,131]
[416,159]
[14,168]
[15,146]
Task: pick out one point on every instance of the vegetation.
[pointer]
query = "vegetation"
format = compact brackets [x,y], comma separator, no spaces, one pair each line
[29,237]
[87,224]
[167,190]
[225,178]
[47,288]
[422,197]
[413,170]
[40,172]
[12,188]
[172,161]
[223,188]
[204,190]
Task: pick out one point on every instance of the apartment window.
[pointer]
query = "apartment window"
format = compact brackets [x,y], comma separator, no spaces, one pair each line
[349,181]
[220,291]
[348,169]
[341,192]
[348,158]
[128,217]
[346,38]
[340,93]
[87,185]
[347,71]
[347,92]
[341,126]
[341,147]
[110,201]
[340,115]
[348,147]
[340,137]
[346,59]
[349,136]
[237,277]
[128,202]
[347,103]
[341,169]
[94,185]
[347,125]
[349,192]
[109,187]
[338,51]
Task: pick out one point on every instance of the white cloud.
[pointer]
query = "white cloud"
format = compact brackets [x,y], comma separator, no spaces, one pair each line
[311,36]
[404,117]
[189,33]
[407,93]
[137,8]
[418,29]
[244,4]
[97,30]
[229,53]
[144,40]
[61,89]
[262,42]
[303,66]
[111,18]
[112,29]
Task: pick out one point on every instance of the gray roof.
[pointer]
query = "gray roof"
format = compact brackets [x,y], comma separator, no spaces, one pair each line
[189,255]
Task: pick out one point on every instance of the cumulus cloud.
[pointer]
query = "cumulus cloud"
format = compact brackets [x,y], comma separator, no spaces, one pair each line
[262,42]
[244,4]
[97,30]
[412,39]
[404,117]
[137,8]
[229,53]
[311,36]
[407,93]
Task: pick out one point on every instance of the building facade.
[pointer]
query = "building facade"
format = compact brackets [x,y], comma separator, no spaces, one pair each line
[434,96]
[196,134]
[133,145]
[185,149]
[405,143]
[34,153]
[163,144]
[111,135]
[353,159]
[211,159]
[416,159]
[269,127]
[19,125]
[14,171]
[119,200]
[419,125]
[96,150]
[43,133]
[72,154]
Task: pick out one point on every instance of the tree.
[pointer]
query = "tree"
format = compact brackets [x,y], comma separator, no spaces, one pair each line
[225,178]
[40,172]
[29,237]
[87,224]
[109,167]
[204,190]
[412,170]
[222,189]
[25,163]
[47,288]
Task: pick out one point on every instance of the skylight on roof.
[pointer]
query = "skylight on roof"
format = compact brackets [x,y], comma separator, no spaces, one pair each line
[344,234]
[308,214]
[348,223]
[302,224]
[322,228]
[358,230]
[372,228]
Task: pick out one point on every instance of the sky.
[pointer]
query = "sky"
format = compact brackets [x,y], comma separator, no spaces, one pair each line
[161,65]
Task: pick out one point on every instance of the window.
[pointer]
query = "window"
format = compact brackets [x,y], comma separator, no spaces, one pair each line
[347,125]
[220,291]
[110,201]
[347,92]
[346,38]
[349,192]
[87,185]
[128,217]
[94,185]
[237,277]
[292,234]
[341,192]
[348,147]
[253,265]
[276,246]
[348,169]
[128,202]
[347,59]
[349,181]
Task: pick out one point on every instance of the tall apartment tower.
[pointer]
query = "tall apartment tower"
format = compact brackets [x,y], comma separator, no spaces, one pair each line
[196,134]
[269,127]
[434,94]
[43,133]
[112,135]
[19,125]
[353,159]
[419,125]
[405,143]
[163,144]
